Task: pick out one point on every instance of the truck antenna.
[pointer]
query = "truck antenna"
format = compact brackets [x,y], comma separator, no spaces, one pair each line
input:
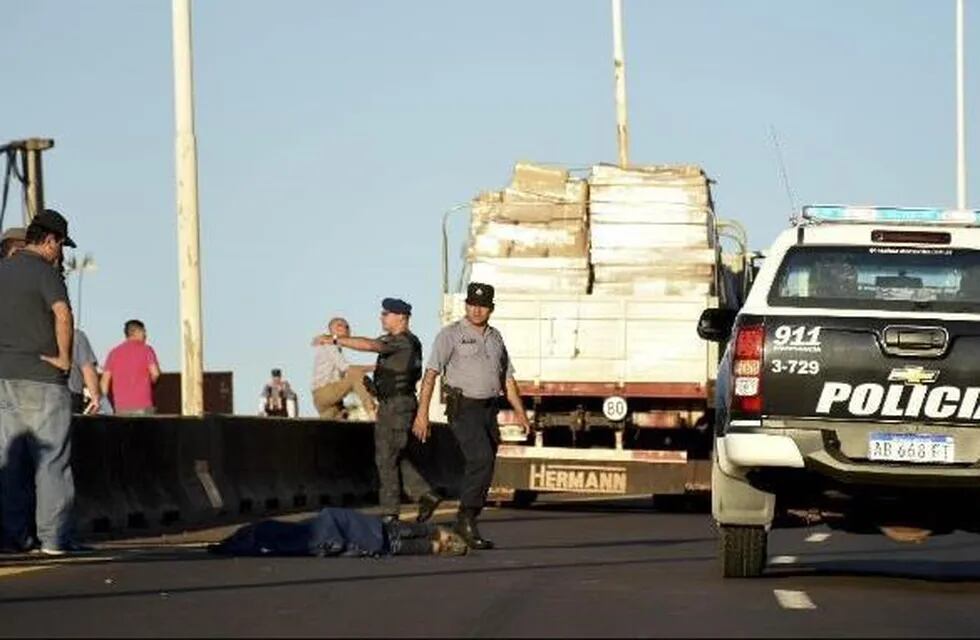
[777,148]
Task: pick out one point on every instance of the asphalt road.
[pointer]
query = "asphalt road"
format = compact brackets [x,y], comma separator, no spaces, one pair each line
[569,569]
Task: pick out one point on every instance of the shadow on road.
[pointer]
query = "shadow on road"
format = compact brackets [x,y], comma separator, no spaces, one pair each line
[938,571]
[608,544]
[460,570]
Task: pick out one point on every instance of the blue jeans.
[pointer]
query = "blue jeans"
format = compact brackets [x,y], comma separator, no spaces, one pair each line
[35,449]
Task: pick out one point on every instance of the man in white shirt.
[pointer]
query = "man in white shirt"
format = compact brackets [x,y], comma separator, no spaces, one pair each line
[334,378]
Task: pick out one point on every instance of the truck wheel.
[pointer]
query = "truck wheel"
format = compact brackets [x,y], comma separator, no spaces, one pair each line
[743,551]
[524,498]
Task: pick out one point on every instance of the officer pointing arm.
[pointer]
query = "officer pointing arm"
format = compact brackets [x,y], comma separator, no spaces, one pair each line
[396,373]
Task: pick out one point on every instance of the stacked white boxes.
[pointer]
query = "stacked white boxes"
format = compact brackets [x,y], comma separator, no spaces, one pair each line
[651,230]
[642,231]
[533,236]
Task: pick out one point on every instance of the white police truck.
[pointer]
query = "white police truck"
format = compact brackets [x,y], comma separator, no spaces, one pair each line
[849,390]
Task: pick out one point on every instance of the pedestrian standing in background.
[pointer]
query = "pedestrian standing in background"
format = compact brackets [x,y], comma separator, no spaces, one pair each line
[472,358]
[12,241]
[396,374]
[334,378]
[131,370]
[84,377]
[35,406]
[278,398]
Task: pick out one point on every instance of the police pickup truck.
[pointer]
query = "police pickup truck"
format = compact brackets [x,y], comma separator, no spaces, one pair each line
[849,390]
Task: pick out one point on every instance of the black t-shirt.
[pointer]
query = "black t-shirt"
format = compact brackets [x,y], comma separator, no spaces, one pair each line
[29,287]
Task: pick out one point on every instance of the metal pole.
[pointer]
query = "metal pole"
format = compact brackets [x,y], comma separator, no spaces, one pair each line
[619,68]
[35,186]
[78,316]
[34,193]
[960,113]
[188,229]
[445,244]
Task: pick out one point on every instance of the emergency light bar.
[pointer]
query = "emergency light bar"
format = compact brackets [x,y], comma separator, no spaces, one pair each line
[818,214]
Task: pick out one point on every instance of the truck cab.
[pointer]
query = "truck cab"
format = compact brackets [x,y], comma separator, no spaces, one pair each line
[849,389]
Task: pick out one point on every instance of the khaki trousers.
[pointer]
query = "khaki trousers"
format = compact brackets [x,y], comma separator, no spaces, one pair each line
[328,399]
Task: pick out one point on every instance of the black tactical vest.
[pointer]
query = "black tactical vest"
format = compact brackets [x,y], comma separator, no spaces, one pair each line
[397,373]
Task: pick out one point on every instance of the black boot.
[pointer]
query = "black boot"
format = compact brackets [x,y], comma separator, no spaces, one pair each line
[427,506]
[466,527]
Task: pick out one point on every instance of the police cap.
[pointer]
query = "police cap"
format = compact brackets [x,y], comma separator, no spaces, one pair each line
[479,294]
[396,305]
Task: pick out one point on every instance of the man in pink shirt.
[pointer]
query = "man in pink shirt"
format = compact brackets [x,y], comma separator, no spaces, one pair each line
[131,370]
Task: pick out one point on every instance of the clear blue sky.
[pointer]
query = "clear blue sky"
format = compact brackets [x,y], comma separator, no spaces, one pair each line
[333,134]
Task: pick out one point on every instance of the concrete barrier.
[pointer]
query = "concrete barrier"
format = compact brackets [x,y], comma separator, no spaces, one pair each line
[165,472]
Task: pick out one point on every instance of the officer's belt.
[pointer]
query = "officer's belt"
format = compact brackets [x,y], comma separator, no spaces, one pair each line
[478,402]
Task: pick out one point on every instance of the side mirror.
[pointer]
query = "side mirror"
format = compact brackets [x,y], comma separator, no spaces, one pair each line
[716,324]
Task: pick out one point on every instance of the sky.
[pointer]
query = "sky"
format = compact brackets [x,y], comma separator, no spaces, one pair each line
[333,135]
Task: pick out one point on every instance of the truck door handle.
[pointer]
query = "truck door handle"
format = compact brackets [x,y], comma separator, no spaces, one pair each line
[925,342]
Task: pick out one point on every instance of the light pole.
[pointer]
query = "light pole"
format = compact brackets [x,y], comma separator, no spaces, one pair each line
[960,113]
[188,227]
[79,267]
[619,70]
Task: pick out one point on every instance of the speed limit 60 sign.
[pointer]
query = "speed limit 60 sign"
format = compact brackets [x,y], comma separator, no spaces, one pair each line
[615,408]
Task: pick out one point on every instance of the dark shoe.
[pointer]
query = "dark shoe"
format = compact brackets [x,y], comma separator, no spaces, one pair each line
[24,546]
[467,529]
[427,507]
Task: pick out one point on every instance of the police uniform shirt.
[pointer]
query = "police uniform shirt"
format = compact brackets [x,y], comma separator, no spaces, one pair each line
[471,361]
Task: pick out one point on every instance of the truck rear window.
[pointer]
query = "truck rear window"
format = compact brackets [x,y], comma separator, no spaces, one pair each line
[879,277]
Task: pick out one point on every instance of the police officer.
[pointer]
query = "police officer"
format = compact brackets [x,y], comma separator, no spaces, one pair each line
[472,357]
[396,373]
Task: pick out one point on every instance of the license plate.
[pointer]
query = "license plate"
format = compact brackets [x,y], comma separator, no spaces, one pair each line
[911,447]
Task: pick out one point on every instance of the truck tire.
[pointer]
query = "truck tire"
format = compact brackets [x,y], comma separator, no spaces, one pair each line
[743,551]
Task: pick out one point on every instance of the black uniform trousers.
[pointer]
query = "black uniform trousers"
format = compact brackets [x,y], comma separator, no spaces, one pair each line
[391,433]
[475,427]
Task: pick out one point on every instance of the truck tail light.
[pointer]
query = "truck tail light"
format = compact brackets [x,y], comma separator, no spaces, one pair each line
[747,369]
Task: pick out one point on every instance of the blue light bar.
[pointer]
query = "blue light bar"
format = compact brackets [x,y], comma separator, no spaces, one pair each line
[890,215]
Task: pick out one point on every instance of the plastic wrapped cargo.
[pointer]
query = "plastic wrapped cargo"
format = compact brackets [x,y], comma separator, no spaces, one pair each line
[530,275]
[501,240]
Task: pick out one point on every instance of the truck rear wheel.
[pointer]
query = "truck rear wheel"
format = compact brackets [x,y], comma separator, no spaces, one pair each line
[743,551]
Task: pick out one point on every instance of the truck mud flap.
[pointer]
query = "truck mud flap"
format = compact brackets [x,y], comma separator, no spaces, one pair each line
[595,471]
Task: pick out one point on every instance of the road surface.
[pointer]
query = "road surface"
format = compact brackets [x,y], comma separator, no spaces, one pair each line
[563,569]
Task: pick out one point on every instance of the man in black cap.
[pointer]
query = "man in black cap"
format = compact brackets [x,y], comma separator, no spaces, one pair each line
[36,329]
[396,373]
[472,358]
